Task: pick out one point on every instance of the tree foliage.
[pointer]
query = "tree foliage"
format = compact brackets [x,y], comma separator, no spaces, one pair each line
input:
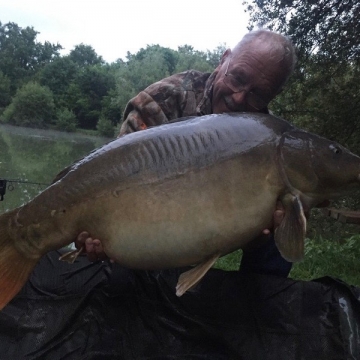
[154,63]
[66,120]
[145,67]
[57,76]
[323,94]
[21,56]
[327,28]
[214,57]
[110,108]
[84,55]
[105,127]
[189,58]
[5,93]
[89,88]
[82,84]
[32,106]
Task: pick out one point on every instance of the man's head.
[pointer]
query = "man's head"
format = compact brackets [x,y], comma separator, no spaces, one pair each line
[253,73]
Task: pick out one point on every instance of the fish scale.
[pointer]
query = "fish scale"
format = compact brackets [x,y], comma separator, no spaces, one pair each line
[184,193]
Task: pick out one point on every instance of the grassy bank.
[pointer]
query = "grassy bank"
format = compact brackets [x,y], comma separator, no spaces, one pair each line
[322,258]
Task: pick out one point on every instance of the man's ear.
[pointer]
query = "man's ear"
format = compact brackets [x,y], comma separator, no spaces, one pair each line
[224,56]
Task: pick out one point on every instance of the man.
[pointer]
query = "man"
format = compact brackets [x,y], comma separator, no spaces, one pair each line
[247,79]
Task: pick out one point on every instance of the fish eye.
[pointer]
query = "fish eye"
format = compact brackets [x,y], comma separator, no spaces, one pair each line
[335,149]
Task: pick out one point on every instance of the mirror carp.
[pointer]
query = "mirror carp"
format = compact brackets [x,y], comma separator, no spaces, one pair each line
[179,194]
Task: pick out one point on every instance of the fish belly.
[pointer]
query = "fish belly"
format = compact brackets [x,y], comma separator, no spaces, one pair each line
[183,220]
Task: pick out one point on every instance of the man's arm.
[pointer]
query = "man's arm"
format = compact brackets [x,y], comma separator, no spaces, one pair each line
[171,98]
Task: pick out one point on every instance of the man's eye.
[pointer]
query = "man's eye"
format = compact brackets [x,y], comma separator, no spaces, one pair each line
[239,81]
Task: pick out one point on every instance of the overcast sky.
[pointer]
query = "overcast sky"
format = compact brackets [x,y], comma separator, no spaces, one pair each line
[114,27]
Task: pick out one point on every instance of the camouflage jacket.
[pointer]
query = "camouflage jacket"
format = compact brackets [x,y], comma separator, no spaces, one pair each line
[185,94]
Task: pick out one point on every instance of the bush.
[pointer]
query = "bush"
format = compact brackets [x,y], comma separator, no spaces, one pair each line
[33,106]
[66,120]
[105,127]
[5,93]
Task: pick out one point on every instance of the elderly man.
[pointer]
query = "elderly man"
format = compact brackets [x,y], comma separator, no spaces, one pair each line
[247,79]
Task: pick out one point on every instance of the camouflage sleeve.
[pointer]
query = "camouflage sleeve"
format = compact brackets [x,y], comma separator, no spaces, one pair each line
[165,100]
[141,112]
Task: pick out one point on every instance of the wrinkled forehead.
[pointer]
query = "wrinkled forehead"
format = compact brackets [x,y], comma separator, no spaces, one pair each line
[260,48]
[263,57]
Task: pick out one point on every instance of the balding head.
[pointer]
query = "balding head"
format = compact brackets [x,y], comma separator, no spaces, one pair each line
[253,73]
[275,47]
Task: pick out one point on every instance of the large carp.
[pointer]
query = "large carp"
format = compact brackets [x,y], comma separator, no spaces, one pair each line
[181,194]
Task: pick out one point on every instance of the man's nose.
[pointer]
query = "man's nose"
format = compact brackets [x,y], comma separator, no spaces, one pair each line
[239,97]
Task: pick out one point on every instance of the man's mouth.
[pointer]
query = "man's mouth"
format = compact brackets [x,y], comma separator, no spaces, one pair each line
[232,106]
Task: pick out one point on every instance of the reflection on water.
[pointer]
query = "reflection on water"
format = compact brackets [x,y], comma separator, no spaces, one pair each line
[37,155]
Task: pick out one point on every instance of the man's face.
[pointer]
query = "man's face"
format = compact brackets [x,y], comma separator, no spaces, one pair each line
[253,79]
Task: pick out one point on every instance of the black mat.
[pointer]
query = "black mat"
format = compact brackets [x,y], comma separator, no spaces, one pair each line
[103,311]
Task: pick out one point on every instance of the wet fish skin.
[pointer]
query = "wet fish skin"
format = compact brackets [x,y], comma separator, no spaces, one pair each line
[181,194]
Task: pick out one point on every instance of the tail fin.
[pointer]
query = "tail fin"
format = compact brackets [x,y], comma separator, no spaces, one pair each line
[15,268]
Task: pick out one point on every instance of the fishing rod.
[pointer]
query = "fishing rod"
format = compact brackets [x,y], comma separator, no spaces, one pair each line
[9,185]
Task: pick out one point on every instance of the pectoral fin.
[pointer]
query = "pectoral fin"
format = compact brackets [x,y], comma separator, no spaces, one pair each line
[190,278]
[290,234]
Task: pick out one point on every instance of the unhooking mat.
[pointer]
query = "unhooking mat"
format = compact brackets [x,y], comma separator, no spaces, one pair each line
[103,311]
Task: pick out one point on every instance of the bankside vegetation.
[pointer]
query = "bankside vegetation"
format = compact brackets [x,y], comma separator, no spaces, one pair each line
[40,88]
[323,95]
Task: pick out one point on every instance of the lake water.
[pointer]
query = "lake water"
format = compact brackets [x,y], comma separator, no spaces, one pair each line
[36,155]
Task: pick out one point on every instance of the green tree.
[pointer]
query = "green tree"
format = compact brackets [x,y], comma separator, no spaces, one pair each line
[32,106]
[105,127]
[141,70]
[328,28]
[168,58]
[189,59]
[85,55]
[154,63]
[21,56]
[215,56]
[57,76]
[147,66]
[66,120]
[86,93]
[5,94]
[325,102]
[323,95]
[110,107]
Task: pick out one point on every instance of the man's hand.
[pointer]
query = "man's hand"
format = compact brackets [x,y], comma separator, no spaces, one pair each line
[92,247]
[277,217]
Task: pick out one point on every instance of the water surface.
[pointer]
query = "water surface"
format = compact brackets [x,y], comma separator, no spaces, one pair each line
[37,155]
